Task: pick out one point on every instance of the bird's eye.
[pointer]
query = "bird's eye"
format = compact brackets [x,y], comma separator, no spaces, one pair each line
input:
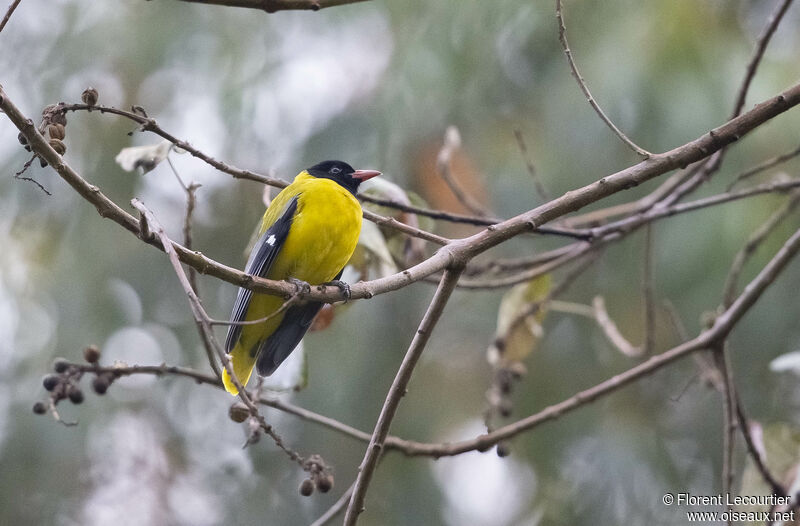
[335,170]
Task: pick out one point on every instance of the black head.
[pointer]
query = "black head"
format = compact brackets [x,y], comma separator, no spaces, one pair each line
[342,173]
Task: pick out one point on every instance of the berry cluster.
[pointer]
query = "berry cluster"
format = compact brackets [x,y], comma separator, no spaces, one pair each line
[64,382]
[499,398]
[319,476]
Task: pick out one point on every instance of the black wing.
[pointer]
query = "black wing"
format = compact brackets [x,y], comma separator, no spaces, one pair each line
[261,258]
[275,349]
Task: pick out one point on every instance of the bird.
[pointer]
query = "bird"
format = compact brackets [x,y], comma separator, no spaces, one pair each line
[307,236]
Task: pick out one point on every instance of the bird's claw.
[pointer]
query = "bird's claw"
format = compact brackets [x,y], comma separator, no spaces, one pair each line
[300,286]
[342,286]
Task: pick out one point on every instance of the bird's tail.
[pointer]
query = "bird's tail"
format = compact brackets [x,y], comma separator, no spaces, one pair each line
[243,363]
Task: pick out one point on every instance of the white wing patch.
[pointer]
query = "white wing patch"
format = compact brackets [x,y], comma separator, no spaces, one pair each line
[271,240]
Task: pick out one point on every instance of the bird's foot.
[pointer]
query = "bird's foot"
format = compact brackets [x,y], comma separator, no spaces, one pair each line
[300,286]
[342,286]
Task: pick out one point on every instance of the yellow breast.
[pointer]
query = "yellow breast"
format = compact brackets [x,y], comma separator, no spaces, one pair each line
[323,234]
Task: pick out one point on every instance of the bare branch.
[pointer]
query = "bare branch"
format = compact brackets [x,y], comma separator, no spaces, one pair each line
[751,245]
[461,249]
[744,425]
[204,322]
[706,339]
[8,14]
[647,293]
[758,54]
[562,37]
[766,165]
[728,418]
[452,141]
[19,175]
[629,223]
[336,509]
[611,331]
[537,181]
[271,6]
[396,392]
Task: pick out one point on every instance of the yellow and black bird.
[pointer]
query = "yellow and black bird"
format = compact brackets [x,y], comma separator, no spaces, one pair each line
[307,236]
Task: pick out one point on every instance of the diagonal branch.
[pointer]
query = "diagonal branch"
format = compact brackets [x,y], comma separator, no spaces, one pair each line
[752,244]
[462,249]
[397,391]
[8,14]
[758,54]
[271,6]
[562,37]
[723,325]
[204,322]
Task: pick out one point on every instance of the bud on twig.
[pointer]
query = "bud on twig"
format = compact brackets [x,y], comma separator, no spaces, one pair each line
[91,354]
[89,96]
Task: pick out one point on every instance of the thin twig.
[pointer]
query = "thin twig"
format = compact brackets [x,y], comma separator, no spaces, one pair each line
[633,207]
[18,175]
[187,242]
[753,242]
[766,165]
[648,294]
[336,509]
[506,264]
[396,392]
[532,308]
[713,164]
[271,6]
[465,248]
[724,323]
[659,211]
[148,124]
[709,373]
[452,141]
[562,37]
[744,425]
[568,307]
[204,321]
[284,306]
[728,418]
[758,54]
[576,251]
[611,330]
[537,181]
[9,12]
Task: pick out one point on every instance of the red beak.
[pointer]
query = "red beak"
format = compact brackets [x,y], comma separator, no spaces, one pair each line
[363,175]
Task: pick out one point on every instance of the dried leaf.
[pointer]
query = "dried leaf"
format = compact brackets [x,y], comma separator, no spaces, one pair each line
[780,443]
[519,339]
[143,158]
[323,319]
[402,247]
[789,362]
[372,256]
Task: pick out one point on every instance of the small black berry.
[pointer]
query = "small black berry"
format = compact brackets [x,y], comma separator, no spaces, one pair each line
[75,395]
[100,385]
[51,381]
[325,483]
[60,365]
[306,488]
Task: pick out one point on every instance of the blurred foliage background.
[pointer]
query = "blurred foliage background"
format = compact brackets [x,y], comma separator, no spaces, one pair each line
[376,84]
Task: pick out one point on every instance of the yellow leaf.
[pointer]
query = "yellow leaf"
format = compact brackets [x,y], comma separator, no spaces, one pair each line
[517,337]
